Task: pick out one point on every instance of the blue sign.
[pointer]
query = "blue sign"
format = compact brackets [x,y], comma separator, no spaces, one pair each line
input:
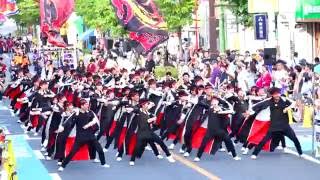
[260,23]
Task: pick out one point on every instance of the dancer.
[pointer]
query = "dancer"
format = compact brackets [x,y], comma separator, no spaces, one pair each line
[145,134]
[84,120]
[216,130]
[279,120]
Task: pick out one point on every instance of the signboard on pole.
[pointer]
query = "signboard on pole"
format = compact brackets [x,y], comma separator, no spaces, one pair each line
[308,11]
[261,26]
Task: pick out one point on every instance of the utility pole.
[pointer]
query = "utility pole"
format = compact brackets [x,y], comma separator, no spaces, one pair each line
[222,33]
[197,27]
[212,27]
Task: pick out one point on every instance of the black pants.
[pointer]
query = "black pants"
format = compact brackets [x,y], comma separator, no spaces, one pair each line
[152,145]
[173,129]
[105,127]
[218,138]
[188,137]
[277,137]
[109,141]
[286,132]
[141,142]
[78,144]
[236,124]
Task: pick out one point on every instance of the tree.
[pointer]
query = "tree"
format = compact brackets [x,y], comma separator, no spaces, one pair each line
[240,9]
[29,13]
[99,14]
[177,13]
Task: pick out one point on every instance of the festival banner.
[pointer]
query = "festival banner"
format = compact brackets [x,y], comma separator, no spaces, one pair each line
[54,13]
[146,26]
[7,8]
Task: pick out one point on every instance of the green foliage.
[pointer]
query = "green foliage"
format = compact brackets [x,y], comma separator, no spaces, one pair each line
[160,71]
[29,13]
[177,13]
[99,14]
[240,9]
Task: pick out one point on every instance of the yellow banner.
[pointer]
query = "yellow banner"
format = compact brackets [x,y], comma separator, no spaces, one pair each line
[9,161]
[263,6]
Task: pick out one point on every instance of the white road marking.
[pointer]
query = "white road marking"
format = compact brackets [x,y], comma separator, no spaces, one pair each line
[4,108]
[12,113]
[55,176]
[38,154]
[27,137]
[306,157]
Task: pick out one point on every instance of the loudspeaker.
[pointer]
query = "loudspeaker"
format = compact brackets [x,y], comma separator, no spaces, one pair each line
[126,46]
[109,44]
[93,40]
[270,56]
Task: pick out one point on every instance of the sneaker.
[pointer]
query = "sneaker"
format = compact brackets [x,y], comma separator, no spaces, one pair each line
[286,150]
[230,153]
[106,166]
[160,156]
[181,151]
[280,148]
[48,158]
[171,147]
[243,149]
[148,148]
[35,134]
[131,163]
[18,121]
[23,126]
[45,143]
[245,152]
[222,150]
[196,159]
[59,163]
[105,150]
[237,158]
[186,154]
[303,156]
[170,159]
[46,154]
[60,169]
[119,159]
[254,157]
[96,160]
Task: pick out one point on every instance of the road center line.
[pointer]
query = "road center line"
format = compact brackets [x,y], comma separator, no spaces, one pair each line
[195,167]
[192,165]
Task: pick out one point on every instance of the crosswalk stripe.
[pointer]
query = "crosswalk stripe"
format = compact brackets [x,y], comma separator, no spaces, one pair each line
[38,154]
[55,176]
[27,137]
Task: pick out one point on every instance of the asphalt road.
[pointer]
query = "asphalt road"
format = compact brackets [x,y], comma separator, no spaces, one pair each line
[275,165]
